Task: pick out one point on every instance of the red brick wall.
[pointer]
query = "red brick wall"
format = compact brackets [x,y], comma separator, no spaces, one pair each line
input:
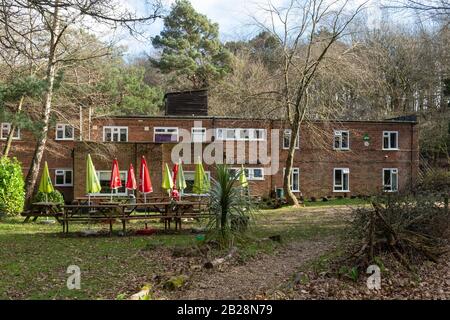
[315,157]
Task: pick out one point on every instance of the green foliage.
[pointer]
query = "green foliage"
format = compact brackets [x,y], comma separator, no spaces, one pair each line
[230,204]
[12,191]
[29,86]
[128,92]
[55,197]
[191,47]
[351,273]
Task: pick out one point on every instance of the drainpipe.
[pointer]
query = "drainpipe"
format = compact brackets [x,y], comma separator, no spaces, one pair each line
[81,123]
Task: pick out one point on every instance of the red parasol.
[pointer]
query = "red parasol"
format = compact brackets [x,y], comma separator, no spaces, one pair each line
[115,182]
[131,179]
[145,184]
[175,193]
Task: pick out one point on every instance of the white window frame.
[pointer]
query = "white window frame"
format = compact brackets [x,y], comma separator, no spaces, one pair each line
[16,132]
[345,171]
[388,135]
[208,173]
[118,128]
[250,173]
[62,126]
[201,134]
[295,170]
[338,133]
[391,172]
[165,129]
[63,171]
[222,134]
[288,132]
[97,172]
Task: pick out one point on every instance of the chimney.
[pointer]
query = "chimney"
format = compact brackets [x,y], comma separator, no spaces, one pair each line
[186,103]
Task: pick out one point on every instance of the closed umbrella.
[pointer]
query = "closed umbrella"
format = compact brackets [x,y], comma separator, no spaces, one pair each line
[201,182]
[242,178]
[175,192]
[45,185]
[92,183]
[145,184]
[180,181]
[167,182]
[131,179]
[115,182]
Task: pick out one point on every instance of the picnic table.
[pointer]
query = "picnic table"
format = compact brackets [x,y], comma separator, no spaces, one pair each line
[43,209]
[90,213]
[164,210]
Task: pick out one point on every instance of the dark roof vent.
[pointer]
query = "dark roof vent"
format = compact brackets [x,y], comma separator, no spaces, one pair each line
[187,103]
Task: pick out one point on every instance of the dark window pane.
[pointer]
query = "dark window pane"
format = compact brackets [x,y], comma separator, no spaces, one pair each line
[59,179]
[69,177]
[344,140]
[345,182]
[338,177]
[386,142]
[337,142]
[393,140]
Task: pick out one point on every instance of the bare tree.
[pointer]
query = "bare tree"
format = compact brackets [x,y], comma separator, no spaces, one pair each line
[45,42]
[432,8]
[305,30]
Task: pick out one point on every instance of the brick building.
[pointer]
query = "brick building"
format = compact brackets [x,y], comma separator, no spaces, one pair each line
[332,158]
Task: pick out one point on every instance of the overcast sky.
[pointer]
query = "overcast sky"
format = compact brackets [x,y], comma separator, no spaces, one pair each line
[233,17]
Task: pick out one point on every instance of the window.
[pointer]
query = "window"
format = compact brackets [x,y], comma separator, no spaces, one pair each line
[390,180]
[251,173]
[341,140]
[165,134]
[105,177]
[64,132]
[6,128]
[198,134]
[115,134]
[390,140]
[63,177]
[287,139]
[189,177]
[245,134]
[295,179]
[340,180]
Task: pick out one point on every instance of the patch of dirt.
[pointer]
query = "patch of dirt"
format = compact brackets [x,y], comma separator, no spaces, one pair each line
[429,281]
[254,278]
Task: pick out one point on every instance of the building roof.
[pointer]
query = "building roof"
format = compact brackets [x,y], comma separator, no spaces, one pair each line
[405,119]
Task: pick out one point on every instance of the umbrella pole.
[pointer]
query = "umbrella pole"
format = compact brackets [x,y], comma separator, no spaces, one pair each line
[145,201]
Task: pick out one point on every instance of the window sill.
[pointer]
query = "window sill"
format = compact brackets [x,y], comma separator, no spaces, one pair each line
[341,190]
[72,139]
[338,149]
[397,149]
[63,185]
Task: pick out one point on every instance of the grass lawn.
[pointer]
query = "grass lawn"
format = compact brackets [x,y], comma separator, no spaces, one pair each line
[336,202]
[35,256]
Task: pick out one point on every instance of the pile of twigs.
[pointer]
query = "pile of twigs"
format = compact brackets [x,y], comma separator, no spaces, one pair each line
[412,228]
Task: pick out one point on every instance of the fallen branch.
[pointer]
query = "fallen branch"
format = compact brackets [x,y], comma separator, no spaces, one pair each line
[218,261]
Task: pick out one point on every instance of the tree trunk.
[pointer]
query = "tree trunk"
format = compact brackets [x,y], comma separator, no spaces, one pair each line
[290,196]
[12,130]
[33,172]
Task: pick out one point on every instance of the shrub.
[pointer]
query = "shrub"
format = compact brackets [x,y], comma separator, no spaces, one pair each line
[12,186]
[55,197]
[230,205]
[436,180]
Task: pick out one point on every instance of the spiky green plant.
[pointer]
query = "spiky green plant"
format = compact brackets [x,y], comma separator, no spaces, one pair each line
[230,204]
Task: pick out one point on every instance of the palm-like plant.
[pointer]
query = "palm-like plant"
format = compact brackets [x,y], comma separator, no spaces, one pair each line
[230,204]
